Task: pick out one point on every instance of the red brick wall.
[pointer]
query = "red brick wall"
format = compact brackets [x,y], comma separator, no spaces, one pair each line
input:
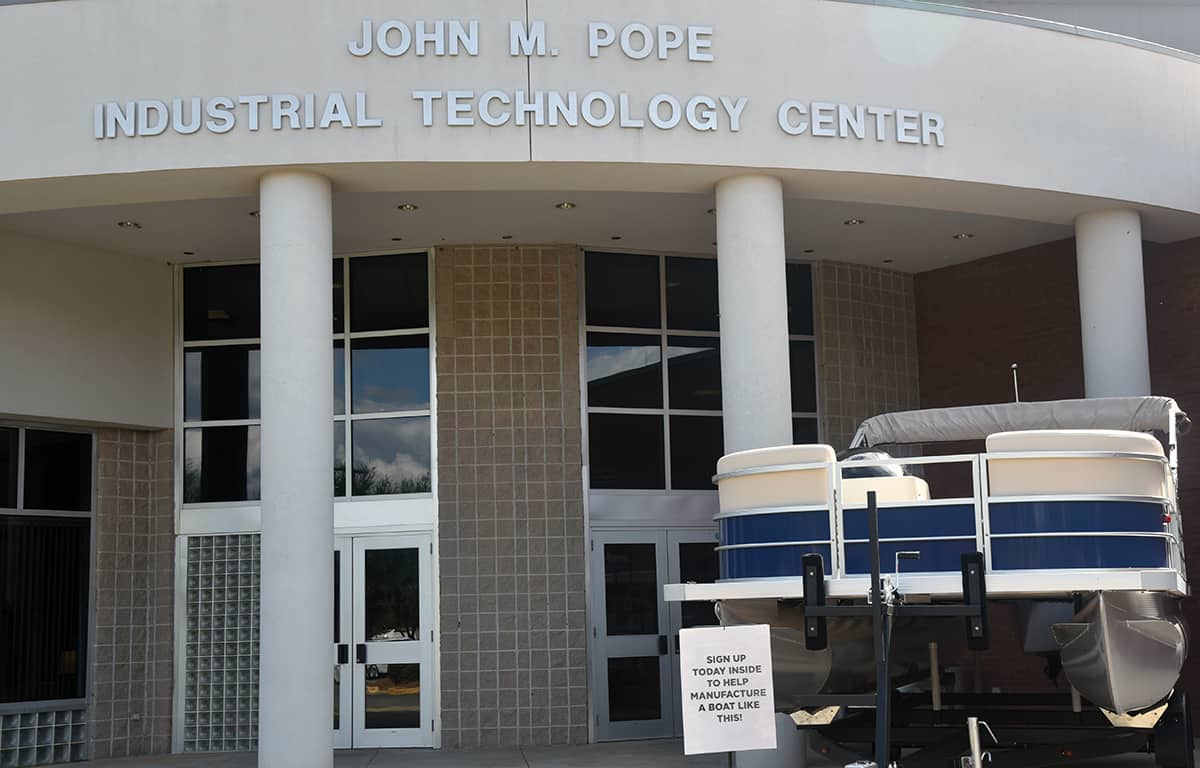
[974,320]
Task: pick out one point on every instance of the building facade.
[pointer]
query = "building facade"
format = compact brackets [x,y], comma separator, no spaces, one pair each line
[405,341]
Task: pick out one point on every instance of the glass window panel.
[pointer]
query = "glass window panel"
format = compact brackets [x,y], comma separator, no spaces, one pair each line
[339,458]
[8,467]
[339,295]
[392,696]
[800,299]
[624,370]
[698,562]
[802,359]
[221,464]
[696,444]
[634,689]
[692,294]
[391,456]
[220,302]
[804,431]
[622,290]
[392,595]
[626,451]
[631,589]
[58,471]
[389,374]
[44,594]
[694,373]
[389,292]
[221,383]
[339,377]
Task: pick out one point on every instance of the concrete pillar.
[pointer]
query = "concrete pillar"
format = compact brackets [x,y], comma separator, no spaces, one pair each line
[295,717]
[755,377]
[756,390]
[1112,303]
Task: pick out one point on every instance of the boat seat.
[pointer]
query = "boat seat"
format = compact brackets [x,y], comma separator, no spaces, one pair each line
[1080,475]
[792,488]
[887,489]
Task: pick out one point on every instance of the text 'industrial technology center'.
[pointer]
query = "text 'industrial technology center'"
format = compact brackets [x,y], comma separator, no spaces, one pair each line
[364,365]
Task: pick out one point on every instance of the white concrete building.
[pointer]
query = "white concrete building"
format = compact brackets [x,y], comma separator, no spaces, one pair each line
[404,338]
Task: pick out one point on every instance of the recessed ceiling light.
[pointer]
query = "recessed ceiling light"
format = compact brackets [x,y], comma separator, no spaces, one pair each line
[853,222]
[407,207]
[711,211]
[714,242]
[963,236]
[565,205]
[254,214]
[615,237]
[888,261]
[127,224]
[506,237]
[397,239]
[810,250]
[189,253]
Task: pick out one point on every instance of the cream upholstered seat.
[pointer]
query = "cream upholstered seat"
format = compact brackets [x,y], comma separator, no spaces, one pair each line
[792,488]
[887,489]
[1076,475]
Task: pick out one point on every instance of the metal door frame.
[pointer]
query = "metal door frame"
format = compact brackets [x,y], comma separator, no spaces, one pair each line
[675,537]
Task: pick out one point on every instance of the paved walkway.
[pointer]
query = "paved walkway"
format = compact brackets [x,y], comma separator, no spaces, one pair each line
[627,754]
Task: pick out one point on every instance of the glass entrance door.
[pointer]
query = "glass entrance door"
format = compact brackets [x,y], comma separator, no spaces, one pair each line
[384,667]
[635,667]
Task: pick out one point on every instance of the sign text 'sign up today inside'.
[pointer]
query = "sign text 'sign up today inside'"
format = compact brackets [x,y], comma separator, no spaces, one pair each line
[727,696]
[492,104]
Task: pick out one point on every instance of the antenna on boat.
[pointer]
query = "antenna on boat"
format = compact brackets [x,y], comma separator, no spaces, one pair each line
[1016,389]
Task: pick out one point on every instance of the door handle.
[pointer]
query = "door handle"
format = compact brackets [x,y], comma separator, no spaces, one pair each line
[343,651]
[676,643]
[662,645]
[360,653]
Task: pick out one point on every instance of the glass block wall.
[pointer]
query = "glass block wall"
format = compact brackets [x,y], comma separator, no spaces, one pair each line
[220,699]
[42,738]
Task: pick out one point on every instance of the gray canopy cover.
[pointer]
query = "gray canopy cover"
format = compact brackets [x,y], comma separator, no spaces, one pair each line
[976,422]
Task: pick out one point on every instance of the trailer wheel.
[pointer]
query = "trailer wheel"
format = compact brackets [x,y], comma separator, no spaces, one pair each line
[1173,746]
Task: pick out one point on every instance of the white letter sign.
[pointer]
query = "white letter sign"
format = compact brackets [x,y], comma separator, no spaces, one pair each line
[727,697]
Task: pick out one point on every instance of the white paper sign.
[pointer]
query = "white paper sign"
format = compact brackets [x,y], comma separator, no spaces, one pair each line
[728,698]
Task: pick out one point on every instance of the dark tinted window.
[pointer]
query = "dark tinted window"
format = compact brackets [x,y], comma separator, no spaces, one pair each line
[389,373]
[622,290]
[624,370]
[339,458]
[626,451]
[804,376]
[339,296]
[339,377]
[389,292]
[221,383]
[804,430]
[44,566]
[221,464]
[8,467]
[696,444]
[631,589]
[220,303]
[692,294]
[694,372]
[58,471]
[800,299]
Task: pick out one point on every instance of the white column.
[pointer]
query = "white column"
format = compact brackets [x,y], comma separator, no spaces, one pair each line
[1112,303]
[755,377]
[295,718]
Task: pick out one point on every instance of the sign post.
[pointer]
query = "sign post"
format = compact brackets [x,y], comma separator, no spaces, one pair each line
[727,697]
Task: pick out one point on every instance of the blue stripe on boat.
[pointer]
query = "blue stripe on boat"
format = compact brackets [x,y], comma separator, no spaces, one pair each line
[936,556]
[1078,552]
[768,562]
[780,526]
[1069,516]
[916,521]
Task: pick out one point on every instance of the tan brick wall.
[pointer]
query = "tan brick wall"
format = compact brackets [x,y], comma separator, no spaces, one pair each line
[866,346]
[510,497]
[131,649]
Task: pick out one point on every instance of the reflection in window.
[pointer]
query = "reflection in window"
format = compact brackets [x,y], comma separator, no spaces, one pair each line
[392,696]
[221,303]
[221,464]
[392,595]
[58,471]
[339,377]
[339,458]
[389,373]
[622,290]
[221,383]
[391,456]
[624,370]
[694,372]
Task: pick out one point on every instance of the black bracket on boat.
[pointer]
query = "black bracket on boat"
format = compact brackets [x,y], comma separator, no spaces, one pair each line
[883,607]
